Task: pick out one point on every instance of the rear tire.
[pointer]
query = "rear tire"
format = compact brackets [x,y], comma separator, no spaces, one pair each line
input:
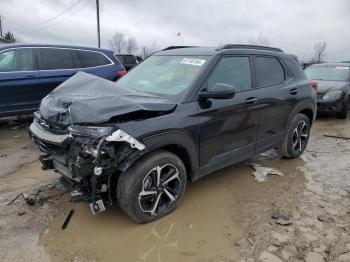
[344,111]
[297,137]
[152,187]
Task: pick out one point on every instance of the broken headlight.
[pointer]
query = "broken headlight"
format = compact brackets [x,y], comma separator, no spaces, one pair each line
[91,131]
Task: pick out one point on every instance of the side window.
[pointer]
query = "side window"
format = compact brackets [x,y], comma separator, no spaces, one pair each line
[91,59]
[129,59]
[120,58]
[20,59]
[56,58]
[234,71]
[269,71]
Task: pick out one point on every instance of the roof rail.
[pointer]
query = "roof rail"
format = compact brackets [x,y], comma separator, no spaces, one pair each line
[231,46]
[176,47]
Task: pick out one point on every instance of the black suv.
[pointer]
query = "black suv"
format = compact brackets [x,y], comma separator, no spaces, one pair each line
[181,114]
[127,60]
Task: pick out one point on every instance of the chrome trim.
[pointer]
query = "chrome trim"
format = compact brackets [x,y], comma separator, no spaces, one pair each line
[46,136]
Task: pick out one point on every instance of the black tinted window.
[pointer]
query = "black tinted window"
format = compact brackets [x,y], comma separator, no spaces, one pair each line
[120,58]
[51,58]
[129,59]
[91,59]
[17,60]
[234,71]
[269,71]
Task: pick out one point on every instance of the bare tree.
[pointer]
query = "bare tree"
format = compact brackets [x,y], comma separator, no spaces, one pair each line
[10,37]
[131,45]
[319,52]
[148,50]
[261,40]
[118,43]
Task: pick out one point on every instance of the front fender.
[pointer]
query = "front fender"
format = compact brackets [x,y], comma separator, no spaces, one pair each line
[166,139]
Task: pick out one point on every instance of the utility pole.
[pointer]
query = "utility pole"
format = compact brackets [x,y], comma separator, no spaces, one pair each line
[98,23]
[0,26]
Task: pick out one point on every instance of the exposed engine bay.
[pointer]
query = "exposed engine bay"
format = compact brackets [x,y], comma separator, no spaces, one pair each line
[77,129]
[89,162]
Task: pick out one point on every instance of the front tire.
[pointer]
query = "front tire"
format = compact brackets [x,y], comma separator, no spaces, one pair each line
[152,187]
[297,137]
[344,111]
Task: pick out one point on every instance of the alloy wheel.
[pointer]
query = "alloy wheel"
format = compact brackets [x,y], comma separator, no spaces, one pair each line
[160,189]
[300,136]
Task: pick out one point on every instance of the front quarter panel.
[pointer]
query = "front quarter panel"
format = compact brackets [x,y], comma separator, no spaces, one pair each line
[177,128]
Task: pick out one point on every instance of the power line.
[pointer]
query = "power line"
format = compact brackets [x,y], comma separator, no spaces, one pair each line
[57,22]
[45,21]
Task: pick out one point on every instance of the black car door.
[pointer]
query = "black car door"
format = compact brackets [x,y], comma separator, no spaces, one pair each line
[278,94]
[228,127]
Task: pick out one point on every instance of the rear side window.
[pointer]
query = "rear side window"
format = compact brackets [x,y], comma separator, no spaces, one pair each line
[120,58]
[54,58]
[295,68]
[91,59]
[20,59]
[234,71]
[269,71]
[129,59]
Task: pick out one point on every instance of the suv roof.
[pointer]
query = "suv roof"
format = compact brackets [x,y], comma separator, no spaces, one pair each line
[51,45]
[226,49]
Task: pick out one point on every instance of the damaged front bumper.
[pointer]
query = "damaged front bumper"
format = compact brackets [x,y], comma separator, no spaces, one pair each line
[89,158]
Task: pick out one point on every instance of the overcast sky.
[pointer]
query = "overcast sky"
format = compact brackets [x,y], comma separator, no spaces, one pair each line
[293,25]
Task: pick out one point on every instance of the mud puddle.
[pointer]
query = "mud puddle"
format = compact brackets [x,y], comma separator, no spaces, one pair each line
[16,148]
[24,177]
[200,229]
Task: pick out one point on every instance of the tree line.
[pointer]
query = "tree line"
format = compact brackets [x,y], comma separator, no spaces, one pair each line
[120,44]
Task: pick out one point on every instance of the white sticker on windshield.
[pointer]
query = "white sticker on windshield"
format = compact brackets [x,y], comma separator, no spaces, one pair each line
[193,61]
[342,67]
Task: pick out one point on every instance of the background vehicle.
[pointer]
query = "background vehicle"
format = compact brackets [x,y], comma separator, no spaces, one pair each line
[127,60]
[333,92]
[29,72]
[179,115]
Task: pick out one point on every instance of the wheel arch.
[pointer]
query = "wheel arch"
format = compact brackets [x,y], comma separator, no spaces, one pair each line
[309,113]
[178,143]
[307,108]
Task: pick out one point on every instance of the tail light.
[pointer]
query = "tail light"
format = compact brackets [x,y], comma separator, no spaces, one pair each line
[121,72]
[314,84]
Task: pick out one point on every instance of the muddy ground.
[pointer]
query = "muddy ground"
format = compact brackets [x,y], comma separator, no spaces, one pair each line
[225,216]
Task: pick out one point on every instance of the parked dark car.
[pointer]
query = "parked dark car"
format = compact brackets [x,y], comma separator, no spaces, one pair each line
[29,72]
[333,87]
[179,115]
[127,60]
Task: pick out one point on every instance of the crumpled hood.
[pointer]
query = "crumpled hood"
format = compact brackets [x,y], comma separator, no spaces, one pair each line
[85,98]
[325,86]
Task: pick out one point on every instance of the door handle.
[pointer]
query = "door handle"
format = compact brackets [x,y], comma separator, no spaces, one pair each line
[294,91]
[251,100]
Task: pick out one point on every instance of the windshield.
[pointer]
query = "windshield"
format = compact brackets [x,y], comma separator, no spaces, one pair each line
[164,75]
[331,73]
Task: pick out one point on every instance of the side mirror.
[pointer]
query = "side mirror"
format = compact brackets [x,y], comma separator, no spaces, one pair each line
[219,91]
